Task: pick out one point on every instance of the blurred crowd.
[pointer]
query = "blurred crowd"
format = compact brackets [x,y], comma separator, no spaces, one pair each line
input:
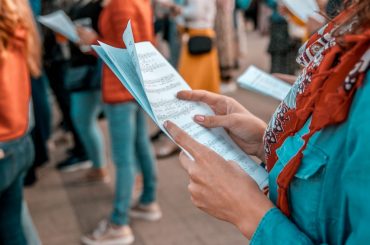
[203,39]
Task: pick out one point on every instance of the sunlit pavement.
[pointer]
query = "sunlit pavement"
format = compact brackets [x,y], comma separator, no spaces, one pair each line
[63,209]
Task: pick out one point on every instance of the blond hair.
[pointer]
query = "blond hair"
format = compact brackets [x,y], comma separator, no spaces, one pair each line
[15,14]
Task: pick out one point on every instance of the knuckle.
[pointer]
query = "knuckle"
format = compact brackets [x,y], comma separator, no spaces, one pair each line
[209,120]
[178,137]
[191,188]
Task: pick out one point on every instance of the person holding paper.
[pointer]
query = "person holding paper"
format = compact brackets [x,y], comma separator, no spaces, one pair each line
[315,147]
[83,81]
[20,58]
[127,126]
[198,63]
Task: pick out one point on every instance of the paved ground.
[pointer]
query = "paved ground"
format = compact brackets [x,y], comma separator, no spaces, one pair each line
[63,209]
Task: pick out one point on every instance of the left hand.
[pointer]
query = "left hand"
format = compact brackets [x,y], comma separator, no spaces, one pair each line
[87,35]
[219,187]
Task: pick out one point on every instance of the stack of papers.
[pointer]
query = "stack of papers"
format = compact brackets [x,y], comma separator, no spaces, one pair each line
[60,23]
[303,9]
[154,83]
[261,82]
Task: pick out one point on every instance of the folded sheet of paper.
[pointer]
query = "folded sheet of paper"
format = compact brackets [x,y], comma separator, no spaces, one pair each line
[59,22]
[261,82]
[303,9]
[154,83]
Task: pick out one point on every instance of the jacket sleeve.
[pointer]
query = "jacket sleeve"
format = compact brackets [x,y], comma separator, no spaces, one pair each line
[275,228]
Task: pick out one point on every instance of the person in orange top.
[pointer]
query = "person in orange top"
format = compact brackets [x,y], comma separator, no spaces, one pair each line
[127,125]
[19,56]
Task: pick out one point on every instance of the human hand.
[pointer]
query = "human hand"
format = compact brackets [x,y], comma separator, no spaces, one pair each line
[219,187]
[87,35]
[244,128]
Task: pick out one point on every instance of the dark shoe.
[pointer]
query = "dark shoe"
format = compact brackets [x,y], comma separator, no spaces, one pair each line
[74,163]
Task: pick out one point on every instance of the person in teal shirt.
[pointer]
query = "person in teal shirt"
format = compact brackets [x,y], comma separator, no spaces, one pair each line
[315,147]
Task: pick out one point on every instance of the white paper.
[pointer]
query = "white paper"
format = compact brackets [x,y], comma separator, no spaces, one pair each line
[259,81]
[60,22]
[302,9]
[160,84]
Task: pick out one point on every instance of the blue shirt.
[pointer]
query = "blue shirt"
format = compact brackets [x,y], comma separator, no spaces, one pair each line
[330,193]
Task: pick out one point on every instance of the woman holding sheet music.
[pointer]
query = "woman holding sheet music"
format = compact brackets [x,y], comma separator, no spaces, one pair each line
[315,147]
[127,126]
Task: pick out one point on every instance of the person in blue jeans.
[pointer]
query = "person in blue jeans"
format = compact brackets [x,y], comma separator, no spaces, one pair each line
[83,81]
[127,127]
[17,157]
[20,57]
[129,149]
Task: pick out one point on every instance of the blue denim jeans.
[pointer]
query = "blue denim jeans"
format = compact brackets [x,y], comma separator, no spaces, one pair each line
[16,158]
[85,108]
[130,147]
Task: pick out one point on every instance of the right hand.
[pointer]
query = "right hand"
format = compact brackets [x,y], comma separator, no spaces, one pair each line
[87,35]
[244,128]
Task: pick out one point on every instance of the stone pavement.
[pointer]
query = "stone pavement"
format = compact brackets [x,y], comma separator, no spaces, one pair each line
[63,209]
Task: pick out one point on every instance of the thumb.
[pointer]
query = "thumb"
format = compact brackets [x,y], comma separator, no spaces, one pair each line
[213,121]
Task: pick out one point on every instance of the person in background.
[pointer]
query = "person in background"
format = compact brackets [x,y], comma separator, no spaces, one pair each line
[20,58]
[56,62]
[169,27]
[83,82]
[225,38]
[282,47]
[127,126]
[199,68]
[315,147]
[42,111]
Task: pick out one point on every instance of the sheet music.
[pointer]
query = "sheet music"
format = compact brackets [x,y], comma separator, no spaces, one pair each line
[60,22]
[259,81]
[128,39]
[161,83]
[303,9]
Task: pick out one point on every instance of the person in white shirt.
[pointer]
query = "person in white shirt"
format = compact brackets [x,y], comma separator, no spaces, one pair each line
[198,63]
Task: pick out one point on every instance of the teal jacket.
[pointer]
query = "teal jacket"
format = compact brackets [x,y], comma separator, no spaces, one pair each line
[330,193]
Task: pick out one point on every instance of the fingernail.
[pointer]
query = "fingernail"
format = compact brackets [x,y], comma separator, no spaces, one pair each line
[199,118]
[165,124]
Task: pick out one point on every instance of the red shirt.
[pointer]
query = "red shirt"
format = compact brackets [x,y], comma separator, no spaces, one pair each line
[113,21]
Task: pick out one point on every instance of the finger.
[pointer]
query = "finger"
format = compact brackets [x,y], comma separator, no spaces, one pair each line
[185,161]
[213,121]
[201,96]
[184,140]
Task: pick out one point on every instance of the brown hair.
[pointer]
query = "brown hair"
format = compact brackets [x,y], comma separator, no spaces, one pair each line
[16,14]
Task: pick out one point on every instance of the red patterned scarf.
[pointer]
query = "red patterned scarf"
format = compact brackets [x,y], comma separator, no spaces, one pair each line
[328,84]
